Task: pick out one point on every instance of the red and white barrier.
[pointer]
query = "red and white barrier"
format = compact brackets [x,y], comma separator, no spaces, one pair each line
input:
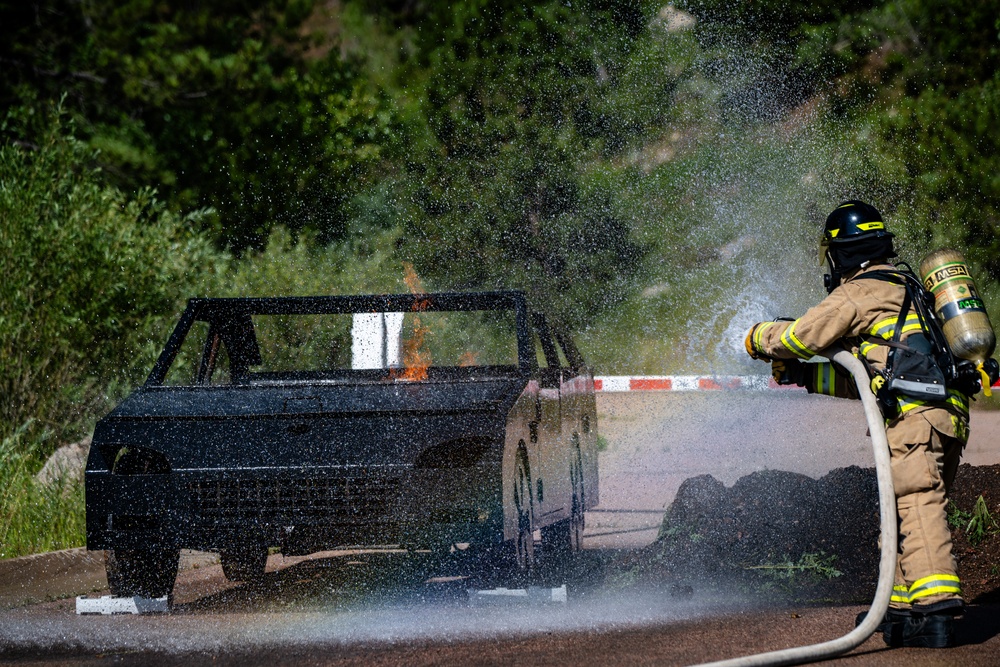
[689,383]
[681,382]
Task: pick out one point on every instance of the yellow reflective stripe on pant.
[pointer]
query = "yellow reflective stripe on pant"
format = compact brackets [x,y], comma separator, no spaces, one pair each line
[900,594]
[936,584]
[794,345]
[824,381]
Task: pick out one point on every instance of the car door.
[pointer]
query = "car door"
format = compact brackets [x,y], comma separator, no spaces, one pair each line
[579,417]
[550,479]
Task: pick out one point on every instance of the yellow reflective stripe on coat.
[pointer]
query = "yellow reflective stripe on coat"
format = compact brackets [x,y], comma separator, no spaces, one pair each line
[887,328]
[794,345]
[956,399]
[866,347]
[935,584]
[758,343]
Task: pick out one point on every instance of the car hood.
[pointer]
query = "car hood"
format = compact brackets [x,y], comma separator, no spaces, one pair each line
[253,401]
[314,425]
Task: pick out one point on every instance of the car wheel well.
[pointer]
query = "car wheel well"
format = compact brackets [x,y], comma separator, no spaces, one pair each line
[132,460]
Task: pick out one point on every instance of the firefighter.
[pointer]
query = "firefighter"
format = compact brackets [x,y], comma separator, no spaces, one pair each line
[925,437]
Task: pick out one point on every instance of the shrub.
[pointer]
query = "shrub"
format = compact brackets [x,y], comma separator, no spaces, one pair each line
[89,272]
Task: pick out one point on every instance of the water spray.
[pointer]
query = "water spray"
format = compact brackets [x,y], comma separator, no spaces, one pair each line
[887,563]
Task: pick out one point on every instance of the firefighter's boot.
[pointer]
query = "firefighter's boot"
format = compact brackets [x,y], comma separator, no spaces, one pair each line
[923,631]
[892,618]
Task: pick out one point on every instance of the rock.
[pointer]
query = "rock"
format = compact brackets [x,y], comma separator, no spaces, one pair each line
[66,463]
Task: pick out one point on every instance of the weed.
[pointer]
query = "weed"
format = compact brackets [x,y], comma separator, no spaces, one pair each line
[819,564]
[624,578]
[670,530]
[957,518]
[602,443]
[981,523]
[790,576]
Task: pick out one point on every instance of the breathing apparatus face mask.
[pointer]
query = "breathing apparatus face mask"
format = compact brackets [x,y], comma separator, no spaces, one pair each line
[844,257]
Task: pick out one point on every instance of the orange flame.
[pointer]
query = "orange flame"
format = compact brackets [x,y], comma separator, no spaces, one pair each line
[416,360]
[412,280]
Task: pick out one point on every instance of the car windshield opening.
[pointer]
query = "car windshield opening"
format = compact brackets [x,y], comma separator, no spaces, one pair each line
[376,346]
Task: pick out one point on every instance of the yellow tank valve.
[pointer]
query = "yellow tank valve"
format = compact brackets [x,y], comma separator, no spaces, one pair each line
[987,391]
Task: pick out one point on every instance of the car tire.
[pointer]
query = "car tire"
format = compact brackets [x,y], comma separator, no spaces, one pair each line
[511,563]
[146,573]
[244,564]
[523,565]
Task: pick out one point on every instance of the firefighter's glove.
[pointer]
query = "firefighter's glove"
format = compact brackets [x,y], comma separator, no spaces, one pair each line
[789,371]
[752,342]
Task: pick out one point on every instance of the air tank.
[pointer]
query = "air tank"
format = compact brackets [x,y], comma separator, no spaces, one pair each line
[958,305]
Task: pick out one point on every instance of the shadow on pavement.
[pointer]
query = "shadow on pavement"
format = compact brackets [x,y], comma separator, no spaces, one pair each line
[981,624]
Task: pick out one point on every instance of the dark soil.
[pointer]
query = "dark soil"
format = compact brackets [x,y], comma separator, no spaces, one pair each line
[978,564]
[784,536]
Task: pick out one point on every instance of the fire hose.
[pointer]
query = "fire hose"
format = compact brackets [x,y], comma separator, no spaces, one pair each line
[887,563]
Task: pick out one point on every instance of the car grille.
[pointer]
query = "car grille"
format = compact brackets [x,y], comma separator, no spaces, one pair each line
[326,499]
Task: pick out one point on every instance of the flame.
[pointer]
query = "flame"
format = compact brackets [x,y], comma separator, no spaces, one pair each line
[416,360]
[412,280]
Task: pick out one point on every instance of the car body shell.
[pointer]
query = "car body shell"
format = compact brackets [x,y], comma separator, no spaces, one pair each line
[306,462]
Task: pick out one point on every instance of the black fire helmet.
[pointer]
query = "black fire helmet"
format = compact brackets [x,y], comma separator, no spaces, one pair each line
[854,234]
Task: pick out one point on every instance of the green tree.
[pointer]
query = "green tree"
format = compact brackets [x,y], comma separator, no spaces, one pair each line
[233,104]
[919,80]
[915,83]
[518,102]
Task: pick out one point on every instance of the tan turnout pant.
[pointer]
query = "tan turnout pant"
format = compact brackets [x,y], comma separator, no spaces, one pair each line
[925,451]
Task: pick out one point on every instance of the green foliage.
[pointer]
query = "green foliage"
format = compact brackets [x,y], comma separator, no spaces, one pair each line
[770,19]
[790,577]
[919,79]
[944,153]
[229,104]
[519,100]
[957,517]
[35,517]
[90,274]
[977,524]
[290,266]
[982,523]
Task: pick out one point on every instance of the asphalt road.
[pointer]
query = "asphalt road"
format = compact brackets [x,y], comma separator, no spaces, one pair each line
[390,608]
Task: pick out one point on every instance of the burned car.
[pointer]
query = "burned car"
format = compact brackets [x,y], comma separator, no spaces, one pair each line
[308,423]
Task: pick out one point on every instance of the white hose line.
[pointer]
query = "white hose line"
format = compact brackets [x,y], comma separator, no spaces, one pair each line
[887,564]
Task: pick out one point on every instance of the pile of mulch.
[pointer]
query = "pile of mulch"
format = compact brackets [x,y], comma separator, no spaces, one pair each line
[784,535]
